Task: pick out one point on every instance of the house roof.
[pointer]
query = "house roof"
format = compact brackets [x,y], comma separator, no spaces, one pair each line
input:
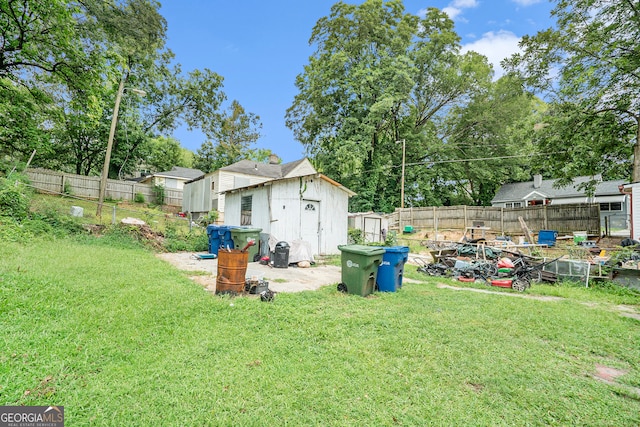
[267,170]
[179,173]
[520,190]
[319,175]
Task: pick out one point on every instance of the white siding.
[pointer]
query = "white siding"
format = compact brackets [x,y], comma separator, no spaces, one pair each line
[277,210]
[286,203]
[259,212]
[303,169]
[635,210]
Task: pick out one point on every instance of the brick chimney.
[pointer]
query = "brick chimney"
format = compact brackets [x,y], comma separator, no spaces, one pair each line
[273,159]
[537,181]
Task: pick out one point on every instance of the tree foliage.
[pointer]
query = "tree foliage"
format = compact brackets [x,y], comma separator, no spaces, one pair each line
[61,63]
[164,153]
[231,139]
[378,76]
[588,66]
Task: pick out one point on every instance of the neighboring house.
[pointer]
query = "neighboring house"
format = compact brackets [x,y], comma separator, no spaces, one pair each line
[175,178]
[633,190]
[614,206]
[310,207]
[207,193]
[374,226]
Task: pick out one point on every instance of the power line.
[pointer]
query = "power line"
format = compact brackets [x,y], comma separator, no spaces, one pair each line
[436,162]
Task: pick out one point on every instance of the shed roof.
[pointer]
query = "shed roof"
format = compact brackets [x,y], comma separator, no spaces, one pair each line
[319,175]
[179,172]
[519,190]
[268,170]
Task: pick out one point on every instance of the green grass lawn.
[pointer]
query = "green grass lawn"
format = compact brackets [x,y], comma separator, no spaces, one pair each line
[120,338]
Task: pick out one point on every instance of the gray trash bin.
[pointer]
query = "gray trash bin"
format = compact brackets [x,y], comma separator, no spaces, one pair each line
[280,255]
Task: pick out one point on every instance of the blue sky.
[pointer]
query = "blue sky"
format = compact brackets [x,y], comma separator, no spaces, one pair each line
[259,47]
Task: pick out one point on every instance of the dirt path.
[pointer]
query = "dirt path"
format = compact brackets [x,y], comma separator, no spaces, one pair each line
[622,310]
[292,279]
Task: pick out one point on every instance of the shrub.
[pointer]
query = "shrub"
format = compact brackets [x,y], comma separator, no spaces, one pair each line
[356,236]
[139,198]
[67,188]
[196,240]
[210,218]
[14,197]
[158,192]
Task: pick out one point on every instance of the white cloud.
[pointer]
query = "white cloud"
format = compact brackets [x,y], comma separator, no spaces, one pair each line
[456,7]
[464,4]
[452,12]
[526,2]
[496,46]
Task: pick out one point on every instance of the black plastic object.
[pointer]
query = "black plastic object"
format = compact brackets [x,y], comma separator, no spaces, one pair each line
[280,258]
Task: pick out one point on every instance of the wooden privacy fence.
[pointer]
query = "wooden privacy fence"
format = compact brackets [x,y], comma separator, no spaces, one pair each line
[89,186]
[502,221]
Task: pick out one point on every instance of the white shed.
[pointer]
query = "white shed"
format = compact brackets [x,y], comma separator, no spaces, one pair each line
[312,208]
[374,226]
[633,190]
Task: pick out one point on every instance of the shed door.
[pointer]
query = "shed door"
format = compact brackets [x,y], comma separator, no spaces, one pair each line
[310,224]
[372,227]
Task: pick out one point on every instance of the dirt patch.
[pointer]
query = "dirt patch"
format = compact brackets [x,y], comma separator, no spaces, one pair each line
[627,311]
[608,373]
[207,282]
[292,279]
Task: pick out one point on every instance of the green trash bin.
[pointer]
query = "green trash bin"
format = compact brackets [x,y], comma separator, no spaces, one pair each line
[243,235]
[360,268]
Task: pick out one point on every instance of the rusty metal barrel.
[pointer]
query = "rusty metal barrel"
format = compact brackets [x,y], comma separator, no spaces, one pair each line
[232,270]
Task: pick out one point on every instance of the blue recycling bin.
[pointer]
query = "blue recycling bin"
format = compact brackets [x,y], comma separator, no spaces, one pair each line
[219,237]
[547,237]
[391,268]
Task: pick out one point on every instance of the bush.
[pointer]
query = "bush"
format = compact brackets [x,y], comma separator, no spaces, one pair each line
[14,197]
[355,236]
[210,218]
[67,188]
[139,198]
[158,192]
[195,241]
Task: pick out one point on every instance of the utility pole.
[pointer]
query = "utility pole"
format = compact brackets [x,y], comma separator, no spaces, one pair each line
[112,133]
[107,157]
[402,180]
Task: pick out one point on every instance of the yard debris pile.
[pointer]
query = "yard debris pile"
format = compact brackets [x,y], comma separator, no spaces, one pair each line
[142,232]
[471,262]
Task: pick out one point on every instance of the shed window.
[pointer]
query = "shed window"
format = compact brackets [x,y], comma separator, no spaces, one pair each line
[245,210]
[309,207]
[614,206]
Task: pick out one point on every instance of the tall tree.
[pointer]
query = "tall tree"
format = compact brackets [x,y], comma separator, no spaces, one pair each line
[164,153]
[488,141]
[44,37]
[233,134]
[379,76]
[71,57]
[587,67]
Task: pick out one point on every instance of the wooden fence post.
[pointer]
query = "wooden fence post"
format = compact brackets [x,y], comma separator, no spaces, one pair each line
[465,217]
[435,222]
